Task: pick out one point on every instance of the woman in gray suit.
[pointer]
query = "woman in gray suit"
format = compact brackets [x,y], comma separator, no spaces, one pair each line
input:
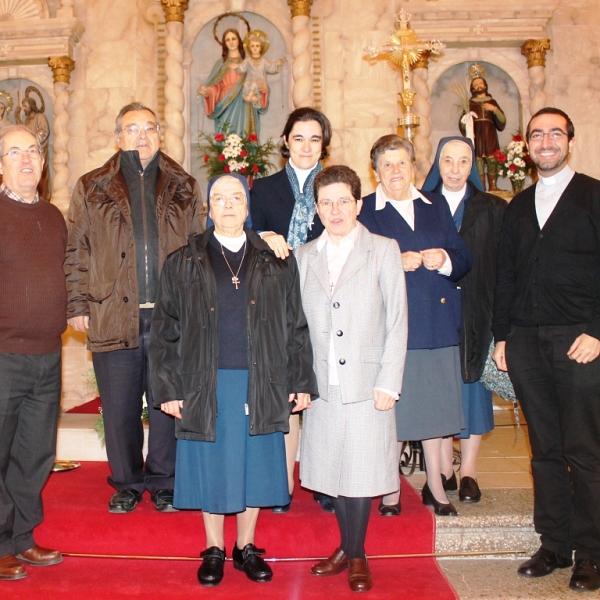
[354,298]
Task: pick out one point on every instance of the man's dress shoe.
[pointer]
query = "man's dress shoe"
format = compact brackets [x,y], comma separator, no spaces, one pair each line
[450,484]
[469,490]
[163,501]
[124,501]
[248,560]
[359,575]
[390,510]
[586,575]
[542,563]
[40,557]
[333,565]
[325,501]
[439,508]
[11,568]
[210,572]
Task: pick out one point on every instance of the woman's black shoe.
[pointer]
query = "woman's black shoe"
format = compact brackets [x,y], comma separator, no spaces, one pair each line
[451,484]
[248,560]
[444,510]
[210,572]
[390,510]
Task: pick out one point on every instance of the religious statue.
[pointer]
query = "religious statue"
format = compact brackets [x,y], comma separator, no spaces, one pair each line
[485,118]
[37,123]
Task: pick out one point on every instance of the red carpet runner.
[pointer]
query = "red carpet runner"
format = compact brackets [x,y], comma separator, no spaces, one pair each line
[77,521]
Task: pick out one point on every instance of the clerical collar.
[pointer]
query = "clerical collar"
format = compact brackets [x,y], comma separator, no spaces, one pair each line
[231,243]
[381,199]
[562,175]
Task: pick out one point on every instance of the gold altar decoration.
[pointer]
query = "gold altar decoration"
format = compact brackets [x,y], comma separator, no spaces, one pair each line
[174,9]
[535,52]
[300,8]
[403,50]
[61,68]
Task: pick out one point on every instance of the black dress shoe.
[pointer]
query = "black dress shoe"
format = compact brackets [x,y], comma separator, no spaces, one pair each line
[469,490]
[543,562]
[210,572]
[439,508]
[586,575]
[248,560]
[451,484]
[163,501]
[390,510]
[325,501]
[124,501]
[282,509]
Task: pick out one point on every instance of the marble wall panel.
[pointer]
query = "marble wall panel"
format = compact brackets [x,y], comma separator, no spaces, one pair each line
[110,21]
[112,65]
[358,145]
[371,104]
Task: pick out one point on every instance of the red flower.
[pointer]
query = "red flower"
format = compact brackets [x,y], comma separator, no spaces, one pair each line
[252,138]
[255,168]
[206,158]
[219,137]
[517,138]
[513,168]
[221,157]
[500,157]
[226,169]
[243,153]
[243,170]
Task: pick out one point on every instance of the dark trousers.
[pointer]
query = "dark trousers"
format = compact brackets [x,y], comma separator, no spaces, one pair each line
[29,408]
[561,402]
[123,378]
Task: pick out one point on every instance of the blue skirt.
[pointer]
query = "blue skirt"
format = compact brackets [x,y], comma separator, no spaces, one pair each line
[237,470]
[478,410]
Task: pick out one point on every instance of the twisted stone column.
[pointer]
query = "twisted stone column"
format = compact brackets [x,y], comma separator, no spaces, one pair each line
[61,70]
[302,87]
[422,108]
[175,100]
[535,52]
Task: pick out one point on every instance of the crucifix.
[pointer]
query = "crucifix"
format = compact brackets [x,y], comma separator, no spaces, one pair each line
[403,50]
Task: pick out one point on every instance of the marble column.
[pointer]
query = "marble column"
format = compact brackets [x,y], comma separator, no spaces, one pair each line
[422,108]
[302,85]
[175,100]
[61,70]
[535,52]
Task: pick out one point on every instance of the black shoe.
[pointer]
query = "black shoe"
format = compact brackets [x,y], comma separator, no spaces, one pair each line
[325,501]
[248,560]
[469,490]
[451,484]
[439,508]
[124,501]
[282,509]
[163,501]
[543,562]
[210,572]
[586,575]
[390,510]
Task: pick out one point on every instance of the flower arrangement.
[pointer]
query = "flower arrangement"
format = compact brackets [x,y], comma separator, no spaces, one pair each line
[514,161]
[230,153]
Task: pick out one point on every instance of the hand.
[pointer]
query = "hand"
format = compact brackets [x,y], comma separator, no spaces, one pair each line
[203,90]
[499,356]
[302,401]
[433,259]
[383,401]
[279,62]
[584,349]
[262,86]
[80,323]
[278,244]
[411,261]
[489,106]
[172,408]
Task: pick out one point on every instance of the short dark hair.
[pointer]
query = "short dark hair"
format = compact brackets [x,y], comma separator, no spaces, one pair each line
[307,114]
[225,53]
[338,174]
[129,108]
[390,142]
[550,110]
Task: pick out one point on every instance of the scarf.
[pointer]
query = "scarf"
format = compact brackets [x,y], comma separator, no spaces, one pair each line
[304,207]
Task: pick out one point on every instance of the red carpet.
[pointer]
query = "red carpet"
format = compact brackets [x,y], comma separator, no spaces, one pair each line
[77,521]
[89,408]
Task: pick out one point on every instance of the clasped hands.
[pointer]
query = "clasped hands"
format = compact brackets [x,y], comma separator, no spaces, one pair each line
[432,259]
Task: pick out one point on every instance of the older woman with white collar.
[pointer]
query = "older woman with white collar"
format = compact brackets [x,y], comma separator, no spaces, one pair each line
[434,259]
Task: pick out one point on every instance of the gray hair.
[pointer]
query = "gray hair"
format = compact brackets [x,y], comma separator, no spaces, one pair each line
[129,108]
[15,128]
[390,142]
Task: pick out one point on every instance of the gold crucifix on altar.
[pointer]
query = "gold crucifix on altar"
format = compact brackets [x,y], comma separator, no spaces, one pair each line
[403,50]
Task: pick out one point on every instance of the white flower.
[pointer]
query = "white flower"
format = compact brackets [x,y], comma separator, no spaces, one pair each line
[519,162]
[234,139]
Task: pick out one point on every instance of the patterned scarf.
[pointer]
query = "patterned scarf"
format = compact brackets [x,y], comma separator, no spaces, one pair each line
[304,208]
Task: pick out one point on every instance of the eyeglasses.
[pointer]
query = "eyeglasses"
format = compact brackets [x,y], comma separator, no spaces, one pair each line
[329,204]
[554,135]
[222,200]
[17,153]
[136,129]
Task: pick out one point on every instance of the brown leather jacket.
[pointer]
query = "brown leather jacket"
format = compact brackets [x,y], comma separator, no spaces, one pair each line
[101,263]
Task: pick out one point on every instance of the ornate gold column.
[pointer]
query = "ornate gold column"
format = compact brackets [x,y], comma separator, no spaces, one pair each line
[302,86]
[422,108]
[535,52]
[61,70]
[175,100]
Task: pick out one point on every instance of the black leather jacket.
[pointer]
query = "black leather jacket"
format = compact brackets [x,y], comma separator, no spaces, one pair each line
[184,338]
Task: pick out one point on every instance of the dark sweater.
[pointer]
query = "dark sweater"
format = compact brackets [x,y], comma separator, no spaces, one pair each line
[33,295]
[550,276]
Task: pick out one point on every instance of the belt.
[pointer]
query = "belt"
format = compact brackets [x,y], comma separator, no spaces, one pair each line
[147,305]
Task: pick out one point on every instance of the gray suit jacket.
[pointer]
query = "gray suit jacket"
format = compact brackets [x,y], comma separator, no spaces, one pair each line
[367,313]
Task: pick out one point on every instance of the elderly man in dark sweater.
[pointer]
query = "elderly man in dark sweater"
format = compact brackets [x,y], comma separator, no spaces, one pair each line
[33,302]
[547,329]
